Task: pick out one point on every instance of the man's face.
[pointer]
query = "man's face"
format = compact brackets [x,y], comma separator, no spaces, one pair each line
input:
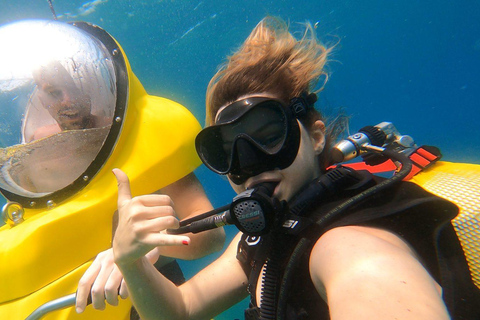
[66,103]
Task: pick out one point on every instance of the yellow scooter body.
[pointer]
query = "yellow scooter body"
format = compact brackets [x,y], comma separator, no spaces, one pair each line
[43,258]
[460,184]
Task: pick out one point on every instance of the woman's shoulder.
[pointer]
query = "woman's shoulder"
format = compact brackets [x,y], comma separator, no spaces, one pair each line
[356,252]
[365,264]
[350,239]
[351,249]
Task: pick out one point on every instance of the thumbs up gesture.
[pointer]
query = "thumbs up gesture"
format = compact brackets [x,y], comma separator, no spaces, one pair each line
[142,223]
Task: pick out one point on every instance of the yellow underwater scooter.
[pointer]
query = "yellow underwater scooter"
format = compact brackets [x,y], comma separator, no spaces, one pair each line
[71,110]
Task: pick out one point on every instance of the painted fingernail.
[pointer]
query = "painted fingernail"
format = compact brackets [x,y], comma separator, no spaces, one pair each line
[185,242]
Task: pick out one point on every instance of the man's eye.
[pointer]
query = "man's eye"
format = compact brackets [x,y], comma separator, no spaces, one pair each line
[55,93]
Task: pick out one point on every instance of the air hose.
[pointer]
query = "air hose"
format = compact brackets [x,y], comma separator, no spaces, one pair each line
[294,261]
[272,308]
[270,277]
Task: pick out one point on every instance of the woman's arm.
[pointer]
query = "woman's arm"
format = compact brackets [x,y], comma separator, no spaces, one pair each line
[214,289]
[104,280]
[189,200]
[369,273]
[141,226]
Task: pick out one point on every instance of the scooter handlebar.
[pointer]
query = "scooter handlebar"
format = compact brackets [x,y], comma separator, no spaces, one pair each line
[57,304]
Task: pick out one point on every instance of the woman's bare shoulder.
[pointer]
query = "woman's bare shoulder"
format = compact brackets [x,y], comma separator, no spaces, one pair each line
[371,271]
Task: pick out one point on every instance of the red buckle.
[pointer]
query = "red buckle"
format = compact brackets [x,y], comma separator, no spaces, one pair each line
[422,158]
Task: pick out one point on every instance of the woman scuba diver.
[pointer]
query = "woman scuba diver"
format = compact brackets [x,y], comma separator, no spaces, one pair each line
[393,254]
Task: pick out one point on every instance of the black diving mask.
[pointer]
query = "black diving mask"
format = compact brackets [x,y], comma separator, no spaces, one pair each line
[253,135]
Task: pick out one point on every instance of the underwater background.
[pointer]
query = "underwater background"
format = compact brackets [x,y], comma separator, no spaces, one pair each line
[413,63]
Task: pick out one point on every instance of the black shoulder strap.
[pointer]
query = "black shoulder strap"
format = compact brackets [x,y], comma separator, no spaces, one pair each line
[251,257]
[246,249]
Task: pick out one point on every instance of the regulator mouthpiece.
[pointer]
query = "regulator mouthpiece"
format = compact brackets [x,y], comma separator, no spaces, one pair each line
[252,212]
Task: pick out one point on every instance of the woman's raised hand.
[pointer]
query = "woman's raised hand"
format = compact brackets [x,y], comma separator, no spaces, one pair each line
[142,223]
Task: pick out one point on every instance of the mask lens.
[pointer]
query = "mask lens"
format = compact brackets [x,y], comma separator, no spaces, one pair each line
[210,148]
[264,126]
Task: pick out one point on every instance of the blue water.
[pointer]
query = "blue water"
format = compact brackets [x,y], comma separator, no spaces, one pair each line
[414,63]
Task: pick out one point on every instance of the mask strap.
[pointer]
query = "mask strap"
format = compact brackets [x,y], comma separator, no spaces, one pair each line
[300,105]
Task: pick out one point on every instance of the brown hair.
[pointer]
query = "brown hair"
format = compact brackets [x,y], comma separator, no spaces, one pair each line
[271,60]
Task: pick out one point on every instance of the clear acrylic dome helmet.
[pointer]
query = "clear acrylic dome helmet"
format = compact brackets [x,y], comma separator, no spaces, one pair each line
[61,87]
